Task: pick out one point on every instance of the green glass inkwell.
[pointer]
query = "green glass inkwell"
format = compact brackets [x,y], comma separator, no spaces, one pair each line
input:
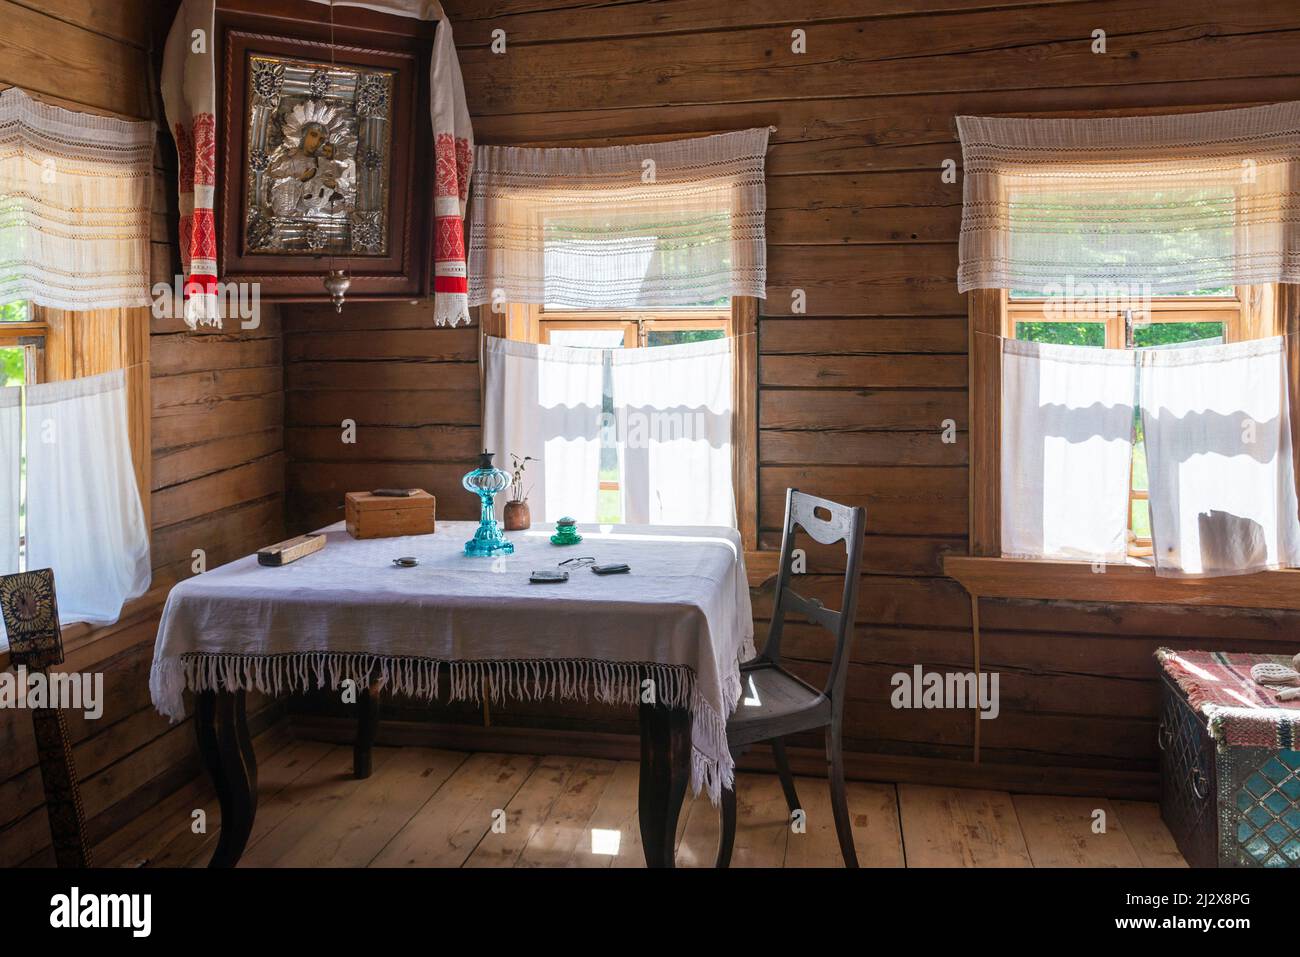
[566,532]
[485,482]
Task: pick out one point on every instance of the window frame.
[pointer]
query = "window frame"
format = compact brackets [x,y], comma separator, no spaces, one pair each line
[530,323]
[1264,311]
[635,323]
[1229,311]
[20,335]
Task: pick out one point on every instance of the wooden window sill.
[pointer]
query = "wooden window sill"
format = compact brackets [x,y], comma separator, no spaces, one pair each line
[78,636]
[1076,581]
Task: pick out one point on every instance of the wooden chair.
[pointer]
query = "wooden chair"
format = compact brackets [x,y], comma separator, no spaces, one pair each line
[785,704]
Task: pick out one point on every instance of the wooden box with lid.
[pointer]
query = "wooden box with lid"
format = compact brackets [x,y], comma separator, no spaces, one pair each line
[371,515]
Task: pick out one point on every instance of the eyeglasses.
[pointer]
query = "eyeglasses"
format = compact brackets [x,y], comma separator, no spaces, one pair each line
[577,562]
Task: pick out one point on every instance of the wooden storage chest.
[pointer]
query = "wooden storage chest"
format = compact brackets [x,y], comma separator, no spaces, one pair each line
[1229,768]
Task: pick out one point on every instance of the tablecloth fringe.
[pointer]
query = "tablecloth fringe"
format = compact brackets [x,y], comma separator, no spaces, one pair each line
[532,679]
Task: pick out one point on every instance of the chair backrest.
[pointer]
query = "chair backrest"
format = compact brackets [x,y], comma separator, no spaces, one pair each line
[826,522]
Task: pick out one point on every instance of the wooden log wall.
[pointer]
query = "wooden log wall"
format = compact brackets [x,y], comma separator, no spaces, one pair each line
[854,391]
[217,440]
[375,397]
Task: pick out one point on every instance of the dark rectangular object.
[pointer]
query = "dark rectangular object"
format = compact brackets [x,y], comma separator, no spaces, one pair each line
[548,577]
[1226,805]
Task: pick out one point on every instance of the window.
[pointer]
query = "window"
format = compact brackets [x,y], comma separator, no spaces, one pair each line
[1263,311]
[645,331]
[61,433]
[624,330]
[636,247]
[1202,317]
[21,345]
[1187,217]
[1187,442]
[74,334]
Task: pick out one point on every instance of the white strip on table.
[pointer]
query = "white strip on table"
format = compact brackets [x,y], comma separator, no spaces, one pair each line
[682,615]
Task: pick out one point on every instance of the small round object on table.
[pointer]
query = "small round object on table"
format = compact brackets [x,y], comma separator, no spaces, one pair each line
[566,532]
[407,562]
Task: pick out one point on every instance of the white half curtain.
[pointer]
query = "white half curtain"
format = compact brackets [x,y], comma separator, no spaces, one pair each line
[1131,206]
[1219,461]
[10,457]
[75,195]
[84,517]
[674,422]
[651,225]
[546,401]
[1067,425]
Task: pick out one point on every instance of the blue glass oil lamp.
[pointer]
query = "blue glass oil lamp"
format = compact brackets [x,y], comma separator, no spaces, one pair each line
[485,482]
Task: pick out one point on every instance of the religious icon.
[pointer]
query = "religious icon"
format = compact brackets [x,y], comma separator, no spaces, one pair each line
[318,158]
[311,171]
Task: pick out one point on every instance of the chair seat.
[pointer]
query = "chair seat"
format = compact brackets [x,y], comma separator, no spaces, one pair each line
[774,703]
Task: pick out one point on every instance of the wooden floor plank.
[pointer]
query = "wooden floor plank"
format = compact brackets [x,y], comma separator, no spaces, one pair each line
[1148,833]
[290,815]
[697,832]
[762,826]
[524,814]
[877,831]
[144,840]
[355,828]
[445,831]
[566,829]
[813,843]
[614,827]
[1059,832]
[956,827]
[175,843]
[873,816]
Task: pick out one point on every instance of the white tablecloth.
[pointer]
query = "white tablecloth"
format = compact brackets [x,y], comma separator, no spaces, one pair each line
[682,613]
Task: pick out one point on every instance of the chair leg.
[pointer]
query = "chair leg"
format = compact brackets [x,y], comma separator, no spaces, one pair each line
[727,827]
[839,802]
[783,770]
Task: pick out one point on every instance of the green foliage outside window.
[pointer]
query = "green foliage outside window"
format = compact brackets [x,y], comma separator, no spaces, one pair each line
[11,357]
[1064,333]
[11,366]
[1094,333]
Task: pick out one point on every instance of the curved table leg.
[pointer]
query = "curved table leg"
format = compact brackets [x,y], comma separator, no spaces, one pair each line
[227,751]
[665,772]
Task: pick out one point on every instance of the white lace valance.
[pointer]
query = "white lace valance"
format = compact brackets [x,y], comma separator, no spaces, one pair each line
[75,193]
[652,225]
[1165,204]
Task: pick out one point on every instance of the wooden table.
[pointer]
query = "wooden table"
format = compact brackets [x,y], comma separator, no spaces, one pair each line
[682,615]
[227,751]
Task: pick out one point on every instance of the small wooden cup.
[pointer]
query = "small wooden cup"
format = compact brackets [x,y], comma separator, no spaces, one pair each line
[517,516]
